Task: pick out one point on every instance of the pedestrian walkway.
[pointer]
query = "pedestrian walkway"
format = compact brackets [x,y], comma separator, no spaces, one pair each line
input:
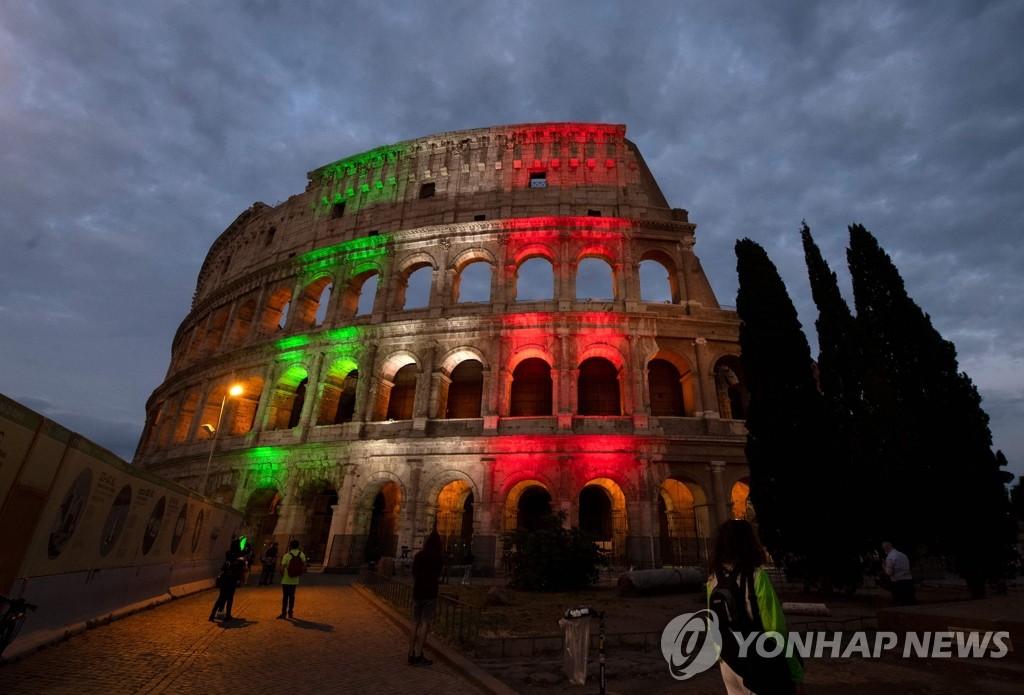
[338,642]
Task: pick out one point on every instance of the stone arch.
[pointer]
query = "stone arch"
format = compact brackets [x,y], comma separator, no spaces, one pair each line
[598,389]
[650,276]
[216,331]
[241,326]
[525,502]
[261,516]
[275,312]
[288,398]
[352,302]
[338,395]
[684,522]
[731,388]
[390,367]
[670,385]
[740,506]
[545,275]
[313,298]
[186,414]
[595,267]
[453,510]
[531,391]
[244,406]
[319,498]
[377,516]
[415,263]
[601,510]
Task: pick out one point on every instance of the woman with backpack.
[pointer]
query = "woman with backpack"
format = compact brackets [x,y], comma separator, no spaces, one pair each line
[294,565]
[741,595]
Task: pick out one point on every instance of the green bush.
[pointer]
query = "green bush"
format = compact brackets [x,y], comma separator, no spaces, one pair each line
[551,557]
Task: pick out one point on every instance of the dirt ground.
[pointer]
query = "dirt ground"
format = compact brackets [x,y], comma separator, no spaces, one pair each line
[637,671]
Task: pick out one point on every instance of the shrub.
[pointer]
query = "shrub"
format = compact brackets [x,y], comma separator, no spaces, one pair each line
[551,557]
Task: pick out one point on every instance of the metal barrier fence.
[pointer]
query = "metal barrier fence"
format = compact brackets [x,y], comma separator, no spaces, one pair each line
[456,621]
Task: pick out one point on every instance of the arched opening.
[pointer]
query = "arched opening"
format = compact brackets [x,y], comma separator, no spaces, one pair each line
[533,506]
[275,313]
[595,280]
[671,392]
[596,513]
[597,388]
[382,534]
[655,282]
[739,496]
[473,283]
[415,293]
[215,333]
[531,389]
[320,505]
[313,302]
[682,520]
[602,515]
[360,294]
[526,505]
[455,519]
[241,326]
[403,394]
[733,397]
[288,399]
[241,417]
[185,417]
[465,392]
[535,280]
[261,515]
[338,401]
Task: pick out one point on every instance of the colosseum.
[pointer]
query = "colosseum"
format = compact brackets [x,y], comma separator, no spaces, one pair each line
[462,332]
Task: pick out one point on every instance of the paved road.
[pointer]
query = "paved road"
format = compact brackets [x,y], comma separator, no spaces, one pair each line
[337,643]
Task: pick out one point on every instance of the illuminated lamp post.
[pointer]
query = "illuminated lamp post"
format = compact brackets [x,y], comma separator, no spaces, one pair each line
[234,392]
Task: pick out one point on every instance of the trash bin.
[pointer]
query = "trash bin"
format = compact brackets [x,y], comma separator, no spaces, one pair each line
[575,626]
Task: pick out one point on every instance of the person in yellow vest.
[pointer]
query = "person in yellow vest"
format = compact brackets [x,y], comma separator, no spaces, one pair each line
[294,566]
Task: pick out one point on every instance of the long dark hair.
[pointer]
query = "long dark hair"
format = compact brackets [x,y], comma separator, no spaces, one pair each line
[736,548]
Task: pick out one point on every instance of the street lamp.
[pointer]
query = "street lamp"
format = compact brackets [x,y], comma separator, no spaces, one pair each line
[234,392]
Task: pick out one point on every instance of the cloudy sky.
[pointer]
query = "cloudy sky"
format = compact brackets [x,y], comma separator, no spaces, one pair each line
[133,133]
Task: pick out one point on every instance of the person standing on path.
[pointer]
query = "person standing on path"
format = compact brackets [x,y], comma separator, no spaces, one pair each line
[897,568]
[294,566]
[269,561]
[426,570]
[230,576]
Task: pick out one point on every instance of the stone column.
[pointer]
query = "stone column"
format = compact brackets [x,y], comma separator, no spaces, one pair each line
[702,394]
[339,538]
[718,491]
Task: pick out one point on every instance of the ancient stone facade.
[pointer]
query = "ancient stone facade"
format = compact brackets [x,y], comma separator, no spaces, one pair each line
[462,331]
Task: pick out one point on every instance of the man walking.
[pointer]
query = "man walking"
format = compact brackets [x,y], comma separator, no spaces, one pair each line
[897,569]
[294,566]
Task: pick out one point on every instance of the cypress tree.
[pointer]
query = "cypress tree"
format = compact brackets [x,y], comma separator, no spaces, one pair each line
[941,484]
[785,421]
[841,368]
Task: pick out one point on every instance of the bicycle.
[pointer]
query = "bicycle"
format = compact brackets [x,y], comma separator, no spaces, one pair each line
[14,612]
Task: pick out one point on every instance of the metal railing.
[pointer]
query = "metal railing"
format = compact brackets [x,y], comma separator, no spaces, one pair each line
[456,621]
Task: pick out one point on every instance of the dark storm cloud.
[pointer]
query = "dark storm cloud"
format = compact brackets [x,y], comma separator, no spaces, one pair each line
[131,135]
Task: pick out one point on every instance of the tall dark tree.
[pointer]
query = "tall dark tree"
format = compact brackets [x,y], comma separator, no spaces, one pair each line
[842,367]
[942,486]
[787,431]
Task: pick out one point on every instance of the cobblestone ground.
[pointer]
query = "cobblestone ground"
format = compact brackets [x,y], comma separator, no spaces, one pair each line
[337,643]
